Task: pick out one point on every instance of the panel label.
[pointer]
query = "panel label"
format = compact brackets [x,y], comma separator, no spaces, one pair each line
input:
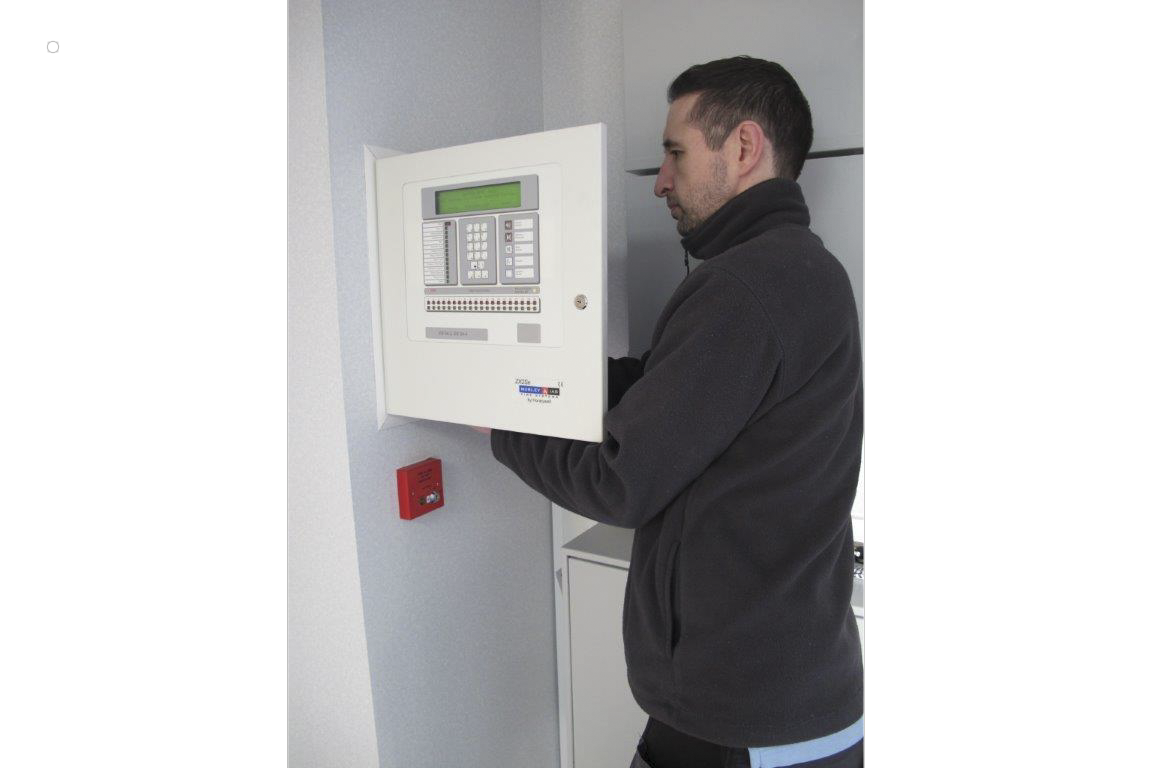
[469,334]
[538,392]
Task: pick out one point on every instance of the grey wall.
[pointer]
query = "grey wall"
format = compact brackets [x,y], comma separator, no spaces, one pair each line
[330,717]
[655,259]
[821,42]
[457,604]
[834,190]
[584,83]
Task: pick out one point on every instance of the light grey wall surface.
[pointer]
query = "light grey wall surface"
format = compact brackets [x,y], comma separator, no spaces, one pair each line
[583,83]
[821,42]
[834,190]
[458,603]
[655,260]
[330,716]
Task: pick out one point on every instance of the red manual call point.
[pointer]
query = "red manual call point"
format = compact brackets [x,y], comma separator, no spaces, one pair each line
[420,488]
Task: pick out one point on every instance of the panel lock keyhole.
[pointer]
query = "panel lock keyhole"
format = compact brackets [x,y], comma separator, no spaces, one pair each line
[581,301]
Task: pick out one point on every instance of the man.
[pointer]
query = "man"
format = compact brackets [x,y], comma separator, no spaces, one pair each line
[733,448]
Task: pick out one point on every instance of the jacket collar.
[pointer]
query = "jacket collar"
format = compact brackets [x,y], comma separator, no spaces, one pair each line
[767,205]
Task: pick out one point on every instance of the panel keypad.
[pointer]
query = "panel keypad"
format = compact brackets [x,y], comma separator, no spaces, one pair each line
[477,250]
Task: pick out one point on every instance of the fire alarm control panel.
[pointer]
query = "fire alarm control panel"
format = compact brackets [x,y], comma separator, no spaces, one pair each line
[491,269]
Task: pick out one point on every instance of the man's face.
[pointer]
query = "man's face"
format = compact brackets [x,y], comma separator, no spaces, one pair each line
[693,179]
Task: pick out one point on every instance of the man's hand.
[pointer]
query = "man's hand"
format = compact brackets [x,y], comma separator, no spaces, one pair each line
[483,430]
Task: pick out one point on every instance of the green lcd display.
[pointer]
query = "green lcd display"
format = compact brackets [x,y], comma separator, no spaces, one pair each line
[486,198]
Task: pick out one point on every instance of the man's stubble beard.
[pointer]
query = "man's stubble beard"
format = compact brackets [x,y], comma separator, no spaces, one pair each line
[712,196]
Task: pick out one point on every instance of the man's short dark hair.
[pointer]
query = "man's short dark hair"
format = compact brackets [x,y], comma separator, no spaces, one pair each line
[743,88]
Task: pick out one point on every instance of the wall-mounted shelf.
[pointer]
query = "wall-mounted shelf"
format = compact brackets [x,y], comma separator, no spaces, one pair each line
[846,152]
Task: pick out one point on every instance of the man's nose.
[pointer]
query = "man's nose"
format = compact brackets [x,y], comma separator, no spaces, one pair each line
[663,181]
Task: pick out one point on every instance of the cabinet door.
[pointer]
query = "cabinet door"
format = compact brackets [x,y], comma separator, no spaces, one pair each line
[606,722]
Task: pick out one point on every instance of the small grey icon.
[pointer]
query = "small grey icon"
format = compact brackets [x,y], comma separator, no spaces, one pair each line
[53,46]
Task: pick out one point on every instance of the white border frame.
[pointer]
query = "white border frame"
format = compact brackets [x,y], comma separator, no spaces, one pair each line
[384,420]
[578,362]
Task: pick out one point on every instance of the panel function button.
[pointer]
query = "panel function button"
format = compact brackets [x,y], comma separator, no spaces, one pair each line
[521,248]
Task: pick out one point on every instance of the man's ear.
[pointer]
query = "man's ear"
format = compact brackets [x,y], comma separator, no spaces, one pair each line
[754,148]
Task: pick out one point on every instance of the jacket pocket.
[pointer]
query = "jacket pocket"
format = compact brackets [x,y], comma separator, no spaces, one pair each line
[672,624]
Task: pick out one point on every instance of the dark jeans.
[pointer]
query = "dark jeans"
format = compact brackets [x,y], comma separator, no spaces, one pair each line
[664,747]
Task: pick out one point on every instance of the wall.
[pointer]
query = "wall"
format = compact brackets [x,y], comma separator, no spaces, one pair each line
[821,42]
[457,604]
[330,720]
[583,83]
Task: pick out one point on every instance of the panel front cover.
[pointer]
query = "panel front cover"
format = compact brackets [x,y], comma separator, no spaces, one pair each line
[492,283]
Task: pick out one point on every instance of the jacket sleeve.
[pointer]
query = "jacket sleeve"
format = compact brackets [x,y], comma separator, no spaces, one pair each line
[623,372]
[708,371]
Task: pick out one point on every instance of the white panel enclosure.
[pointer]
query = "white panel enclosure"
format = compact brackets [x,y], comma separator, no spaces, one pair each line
[492,283]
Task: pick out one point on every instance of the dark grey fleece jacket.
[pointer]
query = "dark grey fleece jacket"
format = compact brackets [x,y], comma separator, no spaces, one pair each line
[733,448]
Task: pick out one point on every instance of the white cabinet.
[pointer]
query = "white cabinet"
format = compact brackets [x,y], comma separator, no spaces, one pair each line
[600,722]
[606,722]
